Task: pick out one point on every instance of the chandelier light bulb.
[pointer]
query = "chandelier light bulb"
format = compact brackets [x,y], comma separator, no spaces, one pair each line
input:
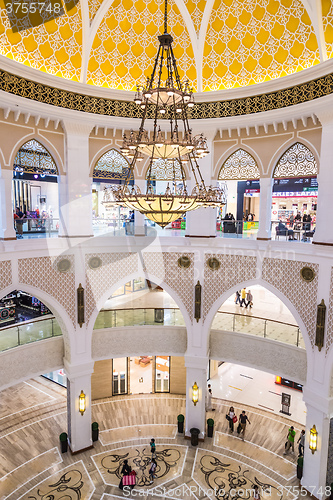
[162,111]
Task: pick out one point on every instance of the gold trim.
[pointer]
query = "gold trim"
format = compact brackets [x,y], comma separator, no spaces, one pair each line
[278,99]
[184,261]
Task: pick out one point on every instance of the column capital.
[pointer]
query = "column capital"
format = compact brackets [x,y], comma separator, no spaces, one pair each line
[77,128]
[199,362]
[75,371]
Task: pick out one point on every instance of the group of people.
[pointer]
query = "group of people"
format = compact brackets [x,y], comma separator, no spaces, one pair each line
[129,476]
[249,217]
[289,444]
[21,217]
[242,421]
[244,297]
[296,223]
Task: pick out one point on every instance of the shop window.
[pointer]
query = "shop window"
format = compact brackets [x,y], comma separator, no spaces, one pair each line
[162,374]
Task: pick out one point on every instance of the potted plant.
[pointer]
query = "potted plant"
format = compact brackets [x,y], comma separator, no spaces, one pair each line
[63,442]
[94,431]
[210,427]
[180,419]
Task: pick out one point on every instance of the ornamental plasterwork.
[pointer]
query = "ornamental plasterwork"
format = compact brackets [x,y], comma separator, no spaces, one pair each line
[34,158]
[165,170]
[327,7]
[54,47]
[126,43]
[93,5]
[252,41]
[297,161]
[196,9]
[239,166]
[5,273]
[111,165]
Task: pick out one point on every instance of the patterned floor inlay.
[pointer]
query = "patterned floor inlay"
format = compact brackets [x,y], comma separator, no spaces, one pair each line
[28,470]
[170,463]
[281,466]
[223,477]
[71,483]
[138,432]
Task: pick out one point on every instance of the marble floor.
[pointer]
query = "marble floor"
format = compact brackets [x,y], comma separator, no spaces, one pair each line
[33,414]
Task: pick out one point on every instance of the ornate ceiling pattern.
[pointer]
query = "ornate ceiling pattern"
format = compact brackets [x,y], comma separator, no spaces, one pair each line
[218,45]
[54,47]
[126,44]
[252,41]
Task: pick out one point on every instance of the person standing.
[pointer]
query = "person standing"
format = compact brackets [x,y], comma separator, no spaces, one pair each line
[256,495]
[19,222]
[152,447]
[209,401]
[290,441]
[242,422]
[249,299]
[300,462]
[243,297]
[152,470]
[231,414]
[125,471]
[301,441]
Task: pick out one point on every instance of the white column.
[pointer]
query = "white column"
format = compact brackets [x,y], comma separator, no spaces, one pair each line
[7,231]
[75,188]
[319,411]
[202,222]
[196,371]
[265,208]
[79,426]
[139,219]
[324,228]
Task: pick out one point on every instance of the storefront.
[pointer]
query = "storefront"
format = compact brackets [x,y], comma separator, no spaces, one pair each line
[19,306]
[294,196]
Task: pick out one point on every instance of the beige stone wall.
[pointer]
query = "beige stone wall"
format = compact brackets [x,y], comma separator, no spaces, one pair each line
[177,375]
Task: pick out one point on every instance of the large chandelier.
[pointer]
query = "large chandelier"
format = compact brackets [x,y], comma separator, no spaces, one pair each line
[164,97]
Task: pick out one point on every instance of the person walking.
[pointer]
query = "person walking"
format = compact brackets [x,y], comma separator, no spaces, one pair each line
[301,441]
[152,470]
[249,299]
[152,447]
[209,401]
[242,422]
[243,297]
[125,471]
[231,414]
[237,298]
[290,441]
[256,494]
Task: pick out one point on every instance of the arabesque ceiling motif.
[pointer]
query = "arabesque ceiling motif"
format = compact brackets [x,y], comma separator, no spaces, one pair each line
[297,161]
[251,41]
[240,165]
[126,44]
[235,43]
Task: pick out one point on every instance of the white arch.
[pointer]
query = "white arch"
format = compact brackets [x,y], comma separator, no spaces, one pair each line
[57,310]
[45,143]
[223,158]
[284,148]
[107,294]
[259,281]
[102,152]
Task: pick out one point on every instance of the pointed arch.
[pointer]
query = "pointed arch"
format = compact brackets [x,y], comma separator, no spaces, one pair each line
[33,158]
[240,165]
[165,170]
[297,161]
[111,165]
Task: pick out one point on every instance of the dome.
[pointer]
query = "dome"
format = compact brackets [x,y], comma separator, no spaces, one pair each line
[218,45]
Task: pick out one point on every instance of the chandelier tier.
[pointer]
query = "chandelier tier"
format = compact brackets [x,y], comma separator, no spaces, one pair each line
[166,99]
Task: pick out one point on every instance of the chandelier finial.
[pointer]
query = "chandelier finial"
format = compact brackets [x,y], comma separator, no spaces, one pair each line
[165,17]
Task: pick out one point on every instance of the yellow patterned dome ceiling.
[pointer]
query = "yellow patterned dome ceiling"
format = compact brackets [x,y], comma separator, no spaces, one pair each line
[218,44]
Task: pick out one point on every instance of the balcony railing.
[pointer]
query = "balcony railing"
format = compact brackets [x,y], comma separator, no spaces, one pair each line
[232,322]
[28,331]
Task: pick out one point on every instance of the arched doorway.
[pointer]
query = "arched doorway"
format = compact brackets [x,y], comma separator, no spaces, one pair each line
[138,302]
[249,378]
[295,188]
[241,173]
[110,169]
[35,191]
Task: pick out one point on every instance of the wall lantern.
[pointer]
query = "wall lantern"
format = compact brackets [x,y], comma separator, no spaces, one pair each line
[313,439]
[195,393]
[82,403]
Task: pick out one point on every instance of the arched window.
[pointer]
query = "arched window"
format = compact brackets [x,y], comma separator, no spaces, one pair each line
[112,165]
[33,158]
[165,170]
[240,165]
[297,161]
